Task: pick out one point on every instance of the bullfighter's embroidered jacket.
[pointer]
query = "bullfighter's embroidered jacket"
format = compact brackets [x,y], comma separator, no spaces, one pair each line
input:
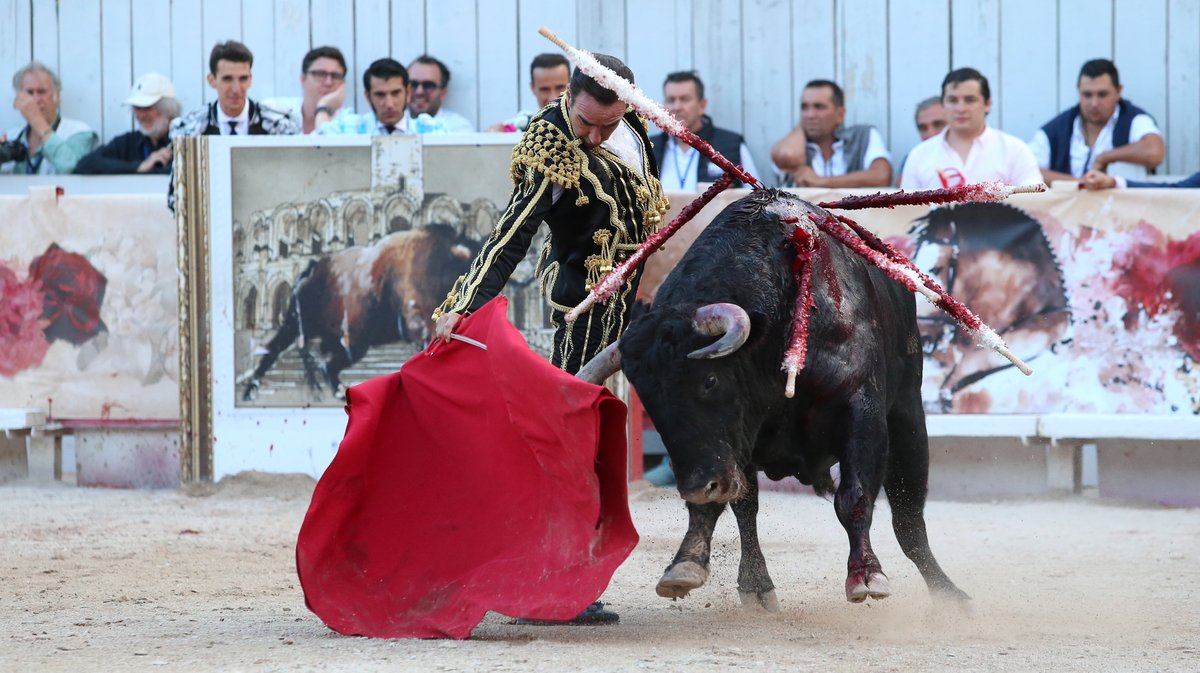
[607,208]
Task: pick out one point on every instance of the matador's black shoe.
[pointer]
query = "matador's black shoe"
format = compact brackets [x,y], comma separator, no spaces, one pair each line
[593,615]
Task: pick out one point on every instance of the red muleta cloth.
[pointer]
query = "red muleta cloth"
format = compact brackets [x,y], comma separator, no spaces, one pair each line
[468,481]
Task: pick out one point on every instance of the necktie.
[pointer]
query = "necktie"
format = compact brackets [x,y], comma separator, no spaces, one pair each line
[389,129]
[232,127]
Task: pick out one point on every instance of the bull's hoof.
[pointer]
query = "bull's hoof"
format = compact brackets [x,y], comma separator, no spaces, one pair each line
[755,601]
[680,579]
[860,586]
[251,392]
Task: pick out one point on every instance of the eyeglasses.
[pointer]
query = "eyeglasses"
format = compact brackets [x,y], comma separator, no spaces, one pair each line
[425,84]
[325,74]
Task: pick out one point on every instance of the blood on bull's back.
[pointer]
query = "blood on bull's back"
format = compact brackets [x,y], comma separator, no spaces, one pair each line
[706,357]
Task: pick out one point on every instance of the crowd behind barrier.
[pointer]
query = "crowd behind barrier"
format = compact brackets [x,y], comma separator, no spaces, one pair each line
[1104,133]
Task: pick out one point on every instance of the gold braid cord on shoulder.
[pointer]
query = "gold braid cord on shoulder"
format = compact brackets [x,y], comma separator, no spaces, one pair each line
[544,148]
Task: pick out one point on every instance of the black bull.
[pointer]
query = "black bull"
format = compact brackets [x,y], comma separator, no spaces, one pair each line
[367,296]
[721,408]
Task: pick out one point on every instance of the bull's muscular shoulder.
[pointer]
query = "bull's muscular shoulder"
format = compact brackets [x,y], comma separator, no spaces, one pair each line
[547,149]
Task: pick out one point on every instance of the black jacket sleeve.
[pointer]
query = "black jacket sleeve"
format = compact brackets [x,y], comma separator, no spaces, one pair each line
[121,156]
[530,203]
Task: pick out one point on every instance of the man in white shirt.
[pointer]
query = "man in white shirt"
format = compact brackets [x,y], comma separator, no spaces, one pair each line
[1103,129]
[428,84]
[821,152]
[385,86]
[968,151]
[680,166]
[323,83]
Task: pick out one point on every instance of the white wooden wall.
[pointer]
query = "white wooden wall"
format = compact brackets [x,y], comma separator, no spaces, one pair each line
[754,55]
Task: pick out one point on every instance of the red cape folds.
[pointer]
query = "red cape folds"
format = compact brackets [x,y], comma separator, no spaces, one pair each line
[468,481]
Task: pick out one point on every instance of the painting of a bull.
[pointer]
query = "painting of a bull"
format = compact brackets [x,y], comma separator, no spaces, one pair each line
[705,360]
[367,296]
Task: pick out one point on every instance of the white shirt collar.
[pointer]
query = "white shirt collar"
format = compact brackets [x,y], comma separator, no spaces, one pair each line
[243,119]
[400,129]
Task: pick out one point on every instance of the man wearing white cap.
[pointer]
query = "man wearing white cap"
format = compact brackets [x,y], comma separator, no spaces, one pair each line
[144,150]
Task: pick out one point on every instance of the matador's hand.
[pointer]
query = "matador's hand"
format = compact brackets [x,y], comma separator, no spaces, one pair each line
[445,325]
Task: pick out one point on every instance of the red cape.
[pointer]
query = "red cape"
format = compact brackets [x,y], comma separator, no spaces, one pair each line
[468,481]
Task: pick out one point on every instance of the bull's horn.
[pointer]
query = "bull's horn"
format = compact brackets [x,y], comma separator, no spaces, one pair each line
[606,363]
[728,321]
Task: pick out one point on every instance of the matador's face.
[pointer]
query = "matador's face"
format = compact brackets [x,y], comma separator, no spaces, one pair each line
[593,121]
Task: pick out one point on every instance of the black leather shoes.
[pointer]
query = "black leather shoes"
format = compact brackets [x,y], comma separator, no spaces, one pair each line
[593,615]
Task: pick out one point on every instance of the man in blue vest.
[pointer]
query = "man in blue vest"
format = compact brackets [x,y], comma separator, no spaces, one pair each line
[680,167]
[1103,129]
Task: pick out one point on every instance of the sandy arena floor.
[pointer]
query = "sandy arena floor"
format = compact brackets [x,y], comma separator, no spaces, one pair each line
[99,580]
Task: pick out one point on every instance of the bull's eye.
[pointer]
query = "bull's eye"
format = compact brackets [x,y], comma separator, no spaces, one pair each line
[710,383]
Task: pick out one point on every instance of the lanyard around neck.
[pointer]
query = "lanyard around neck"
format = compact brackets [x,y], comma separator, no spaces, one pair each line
[683,175]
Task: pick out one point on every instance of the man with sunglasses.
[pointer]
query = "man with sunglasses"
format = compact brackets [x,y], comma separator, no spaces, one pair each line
[428,82]
[323,81]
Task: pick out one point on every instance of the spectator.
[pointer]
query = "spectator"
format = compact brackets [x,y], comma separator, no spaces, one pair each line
[48,143]
[968,150]
[1102,129]
[427,88]
[234,112]
[820,152]
[549,75]
[146,149]
[931,119]
[681,165]
[1095,179]
[323,82]
[385,86]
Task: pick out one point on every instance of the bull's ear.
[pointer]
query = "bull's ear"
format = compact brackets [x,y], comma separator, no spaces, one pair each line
[462,252]
[759,326]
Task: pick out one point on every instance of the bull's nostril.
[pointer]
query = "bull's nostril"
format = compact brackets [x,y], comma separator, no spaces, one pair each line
[713,488]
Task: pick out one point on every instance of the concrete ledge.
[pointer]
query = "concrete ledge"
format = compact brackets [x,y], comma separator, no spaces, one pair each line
[1166,472]
[142,455]
[16,425]
[989,467]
